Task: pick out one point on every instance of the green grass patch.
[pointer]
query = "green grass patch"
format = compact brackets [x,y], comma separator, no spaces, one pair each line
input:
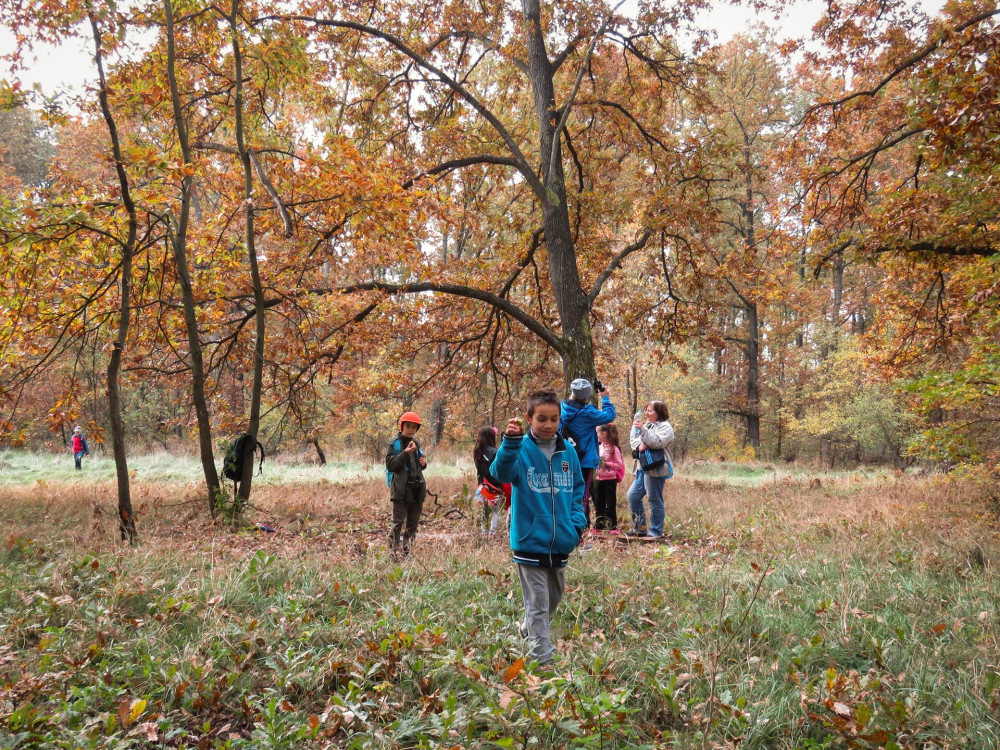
[21,468]
[753,474]
[763,627]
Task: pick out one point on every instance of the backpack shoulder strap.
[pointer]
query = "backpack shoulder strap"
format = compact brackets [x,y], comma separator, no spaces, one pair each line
[397,447]
[569,419]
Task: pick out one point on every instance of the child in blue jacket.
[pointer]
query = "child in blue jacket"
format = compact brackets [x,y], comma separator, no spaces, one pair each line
[546,518]
[579,418]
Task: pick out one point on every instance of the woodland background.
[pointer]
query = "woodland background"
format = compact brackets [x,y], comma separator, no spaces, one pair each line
[299,219]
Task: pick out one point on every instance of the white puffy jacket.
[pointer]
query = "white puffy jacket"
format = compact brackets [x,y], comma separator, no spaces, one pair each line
[657,435]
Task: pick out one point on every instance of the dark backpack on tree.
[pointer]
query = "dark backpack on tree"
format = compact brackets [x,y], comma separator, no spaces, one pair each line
[232,465]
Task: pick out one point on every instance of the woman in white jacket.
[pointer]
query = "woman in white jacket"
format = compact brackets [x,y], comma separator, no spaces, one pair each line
[657,434]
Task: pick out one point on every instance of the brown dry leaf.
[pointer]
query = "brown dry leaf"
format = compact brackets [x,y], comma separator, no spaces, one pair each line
[313,722]
[507,697]
[842,710]
[470,672]
[123,710]
[149,728]
[513,671]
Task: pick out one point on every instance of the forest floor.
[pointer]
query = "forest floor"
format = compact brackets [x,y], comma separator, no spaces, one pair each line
[787,609]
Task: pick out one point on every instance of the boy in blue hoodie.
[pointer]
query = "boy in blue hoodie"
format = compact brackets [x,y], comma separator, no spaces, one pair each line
[546,516]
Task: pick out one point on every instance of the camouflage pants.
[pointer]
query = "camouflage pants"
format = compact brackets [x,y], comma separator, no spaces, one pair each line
[405,517]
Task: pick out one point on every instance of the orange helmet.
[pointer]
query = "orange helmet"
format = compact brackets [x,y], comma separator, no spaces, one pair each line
[409,416]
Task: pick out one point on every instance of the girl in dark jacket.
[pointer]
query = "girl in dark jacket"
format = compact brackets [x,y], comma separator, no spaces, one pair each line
[482,455]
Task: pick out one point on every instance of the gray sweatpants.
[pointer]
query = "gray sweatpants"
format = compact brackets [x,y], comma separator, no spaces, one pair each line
[542,589]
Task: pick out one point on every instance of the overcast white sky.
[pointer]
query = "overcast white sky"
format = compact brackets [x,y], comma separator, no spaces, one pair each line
[71,66]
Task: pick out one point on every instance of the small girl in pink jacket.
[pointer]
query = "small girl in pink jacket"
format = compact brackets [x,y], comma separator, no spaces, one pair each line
[610,472]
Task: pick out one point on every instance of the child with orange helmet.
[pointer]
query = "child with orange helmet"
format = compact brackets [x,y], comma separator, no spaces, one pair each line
[404,464]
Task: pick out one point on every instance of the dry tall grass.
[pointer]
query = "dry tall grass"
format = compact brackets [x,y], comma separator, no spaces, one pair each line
[345,522]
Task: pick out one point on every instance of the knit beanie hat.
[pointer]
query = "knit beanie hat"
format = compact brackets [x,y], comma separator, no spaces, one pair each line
[582,389]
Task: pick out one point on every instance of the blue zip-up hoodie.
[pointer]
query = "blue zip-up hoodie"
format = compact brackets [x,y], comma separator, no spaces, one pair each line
[582,419]
[545,526]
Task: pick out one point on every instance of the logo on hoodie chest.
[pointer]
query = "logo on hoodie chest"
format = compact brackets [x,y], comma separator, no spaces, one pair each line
[541,481]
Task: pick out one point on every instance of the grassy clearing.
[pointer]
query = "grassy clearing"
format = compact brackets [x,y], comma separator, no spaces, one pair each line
[755,474]
[858,611]
[20,469]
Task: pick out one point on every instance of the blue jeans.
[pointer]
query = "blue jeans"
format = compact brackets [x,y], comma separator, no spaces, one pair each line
[651,487]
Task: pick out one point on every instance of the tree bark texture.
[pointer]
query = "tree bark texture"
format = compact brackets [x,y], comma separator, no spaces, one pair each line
[178,241]
[258,291]
[750,308]
[571,301]
[126,518]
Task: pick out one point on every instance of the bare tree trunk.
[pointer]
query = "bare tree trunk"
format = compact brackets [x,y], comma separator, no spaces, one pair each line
[633,391]
[838,291]
[753,323]
[753,376]
[439,406]
[779,407]
[258,290]
[319,452]
[438,418]
[571,301]
[126,518]
[178,241]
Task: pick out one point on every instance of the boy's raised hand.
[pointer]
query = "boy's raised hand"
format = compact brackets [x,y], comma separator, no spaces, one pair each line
[515,427]
[410,447]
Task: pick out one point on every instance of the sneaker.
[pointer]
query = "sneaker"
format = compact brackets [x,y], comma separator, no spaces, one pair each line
[615,532]
[635,534]
[651,535]
[586,547]
[522,629]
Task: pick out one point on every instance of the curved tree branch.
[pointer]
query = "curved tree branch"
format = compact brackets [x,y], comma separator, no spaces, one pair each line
[467,161]
[909,62]
[649,137]
[522,163]
[615,264]
[568,106]
[458,290]
[279,204]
